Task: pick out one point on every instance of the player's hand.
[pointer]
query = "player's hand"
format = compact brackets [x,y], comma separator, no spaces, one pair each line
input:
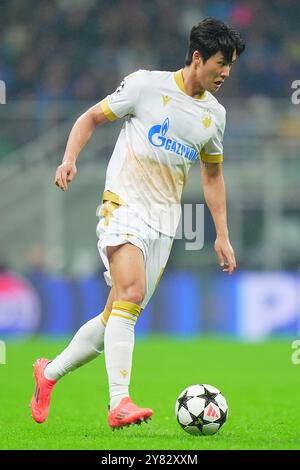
[65,173]
[225,254]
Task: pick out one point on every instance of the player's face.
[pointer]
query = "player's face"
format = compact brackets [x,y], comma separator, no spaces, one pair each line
[214,72]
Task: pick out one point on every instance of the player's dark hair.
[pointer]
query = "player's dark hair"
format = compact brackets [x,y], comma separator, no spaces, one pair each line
[211,36]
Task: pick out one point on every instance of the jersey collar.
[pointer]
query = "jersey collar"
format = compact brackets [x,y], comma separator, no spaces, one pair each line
[180,83]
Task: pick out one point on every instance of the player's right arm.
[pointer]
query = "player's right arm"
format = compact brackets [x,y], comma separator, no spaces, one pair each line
[117,105]
[79,136]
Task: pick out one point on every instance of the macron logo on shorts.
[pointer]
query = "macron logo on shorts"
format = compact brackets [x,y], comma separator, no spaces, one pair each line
[157,136]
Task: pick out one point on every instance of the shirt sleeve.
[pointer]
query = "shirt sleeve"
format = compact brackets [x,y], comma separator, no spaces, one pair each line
[123,101]
[212,152]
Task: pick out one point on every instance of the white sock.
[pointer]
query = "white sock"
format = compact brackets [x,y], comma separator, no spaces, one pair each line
[119,344]
[87,344]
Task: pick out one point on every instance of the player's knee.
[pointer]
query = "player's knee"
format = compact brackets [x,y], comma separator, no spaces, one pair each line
[134,293]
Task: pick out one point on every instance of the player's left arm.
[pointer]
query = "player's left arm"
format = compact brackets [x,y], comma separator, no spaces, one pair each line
[215,197]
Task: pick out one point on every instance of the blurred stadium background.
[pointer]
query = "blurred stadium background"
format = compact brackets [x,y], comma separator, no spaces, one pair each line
[60,57]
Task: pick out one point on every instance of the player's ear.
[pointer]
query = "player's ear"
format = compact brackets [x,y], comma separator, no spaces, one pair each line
[197,59]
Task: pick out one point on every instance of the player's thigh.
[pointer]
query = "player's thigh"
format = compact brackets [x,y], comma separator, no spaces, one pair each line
[159,252]
[127,267]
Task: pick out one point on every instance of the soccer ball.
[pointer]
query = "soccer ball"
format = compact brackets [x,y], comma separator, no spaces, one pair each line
[201,409]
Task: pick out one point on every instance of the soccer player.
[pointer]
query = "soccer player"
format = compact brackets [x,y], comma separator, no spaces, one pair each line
[171,120]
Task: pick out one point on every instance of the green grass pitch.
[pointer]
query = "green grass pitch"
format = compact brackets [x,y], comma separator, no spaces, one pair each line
[258,380]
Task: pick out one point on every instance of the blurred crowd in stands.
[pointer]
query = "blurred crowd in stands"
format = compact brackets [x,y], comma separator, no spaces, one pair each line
[79,50]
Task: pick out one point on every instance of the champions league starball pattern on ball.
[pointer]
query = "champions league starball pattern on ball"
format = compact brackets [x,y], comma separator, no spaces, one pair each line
[201,410]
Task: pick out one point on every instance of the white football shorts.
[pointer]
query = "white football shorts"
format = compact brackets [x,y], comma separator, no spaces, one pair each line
[119,224]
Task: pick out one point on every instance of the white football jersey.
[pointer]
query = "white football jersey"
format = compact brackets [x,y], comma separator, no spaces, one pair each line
[164,133]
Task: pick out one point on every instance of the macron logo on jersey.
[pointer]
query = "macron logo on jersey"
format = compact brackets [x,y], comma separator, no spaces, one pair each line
[158,138]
